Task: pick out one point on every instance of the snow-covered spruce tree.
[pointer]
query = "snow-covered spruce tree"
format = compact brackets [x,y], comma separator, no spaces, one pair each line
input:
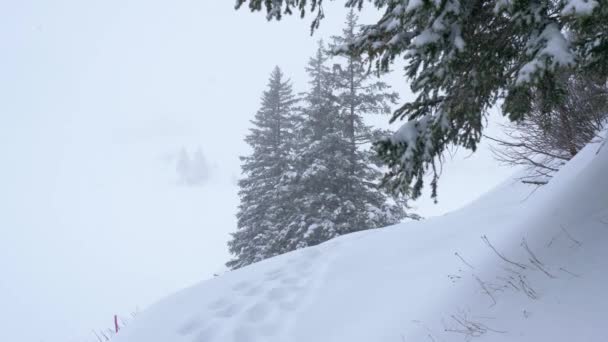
[359,92]
[264,208]
[462,56]
[333,186]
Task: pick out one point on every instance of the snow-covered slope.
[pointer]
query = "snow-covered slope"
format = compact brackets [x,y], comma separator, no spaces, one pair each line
[509,267]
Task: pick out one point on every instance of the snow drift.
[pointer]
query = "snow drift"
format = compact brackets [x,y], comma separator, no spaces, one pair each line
[515,265]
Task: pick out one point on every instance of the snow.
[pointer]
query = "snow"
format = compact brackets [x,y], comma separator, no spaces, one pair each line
[513,265]
[501,4]
[413,5]
[424,38]
[579,7]
[555,51]
[393,25]
[459,42]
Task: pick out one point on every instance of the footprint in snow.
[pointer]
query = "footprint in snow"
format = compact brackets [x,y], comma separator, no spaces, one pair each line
[190,327]
[244,334]
[290,305]
[277,293]
[269,329]
[257,312]
[273,275]
[218,304]
[253,291]
[274,271]
[289,280]
[229,311]
[311,253]
[243,285]
[206,335]
[303,266]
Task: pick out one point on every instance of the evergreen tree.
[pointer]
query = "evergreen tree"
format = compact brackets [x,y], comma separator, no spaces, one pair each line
[321,150]
[359,93]
[463,56]
[264,208]
[333,187]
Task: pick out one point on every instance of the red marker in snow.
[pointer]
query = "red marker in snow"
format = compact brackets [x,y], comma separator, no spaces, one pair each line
[116,323]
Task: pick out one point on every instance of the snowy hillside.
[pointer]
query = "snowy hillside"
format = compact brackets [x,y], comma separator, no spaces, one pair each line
[509,267]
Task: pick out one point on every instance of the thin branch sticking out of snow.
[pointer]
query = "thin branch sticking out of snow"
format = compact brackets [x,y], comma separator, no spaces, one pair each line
[576,242]
[534,260]
[522,266]
[469,328]
[570,273]
[485,290]
[462,259]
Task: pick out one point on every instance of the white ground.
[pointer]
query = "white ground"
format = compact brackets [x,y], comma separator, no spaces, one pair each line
[435,280]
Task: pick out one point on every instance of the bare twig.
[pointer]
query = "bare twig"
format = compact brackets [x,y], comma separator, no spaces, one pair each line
[96,335]
[470,328]
[601,146]
[524,244]
[570,273]
[522,266]
[512,271]
[550,243]
[535,182]
[534,260]
[509,281]
[530,194]
[529,291]
[485,289]
[429,331]
[578,243]
[462,259]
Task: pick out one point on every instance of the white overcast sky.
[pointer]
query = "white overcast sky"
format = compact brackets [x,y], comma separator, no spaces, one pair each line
[96,100]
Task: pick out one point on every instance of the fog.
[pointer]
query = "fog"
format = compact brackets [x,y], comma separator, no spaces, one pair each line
[98,100]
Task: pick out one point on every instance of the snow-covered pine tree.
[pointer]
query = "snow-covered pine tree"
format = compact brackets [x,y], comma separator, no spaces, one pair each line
[264,210]
[462,57]
[334,185]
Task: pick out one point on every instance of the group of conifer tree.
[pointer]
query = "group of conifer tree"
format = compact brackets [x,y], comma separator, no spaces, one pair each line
[311,175]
